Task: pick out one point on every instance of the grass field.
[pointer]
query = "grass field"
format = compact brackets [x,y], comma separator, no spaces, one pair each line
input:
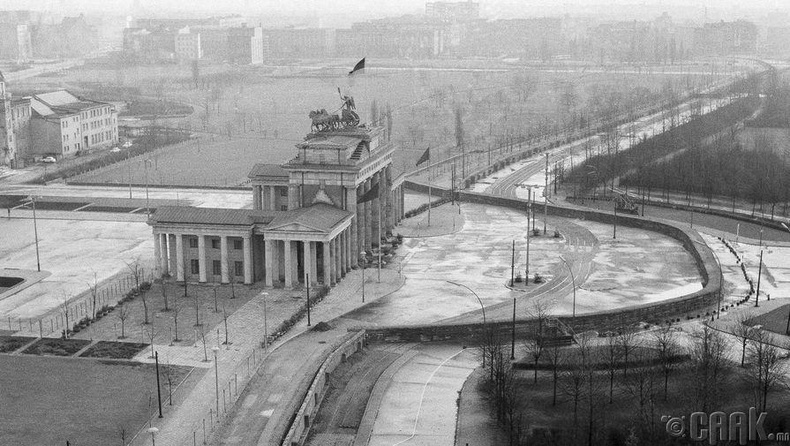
[257,115]
[775,320]
[49,400]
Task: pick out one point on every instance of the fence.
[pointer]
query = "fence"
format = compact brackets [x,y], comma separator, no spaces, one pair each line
[74,310]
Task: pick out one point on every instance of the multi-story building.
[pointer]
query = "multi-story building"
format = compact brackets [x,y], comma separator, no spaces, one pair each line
[187,45]
[301,42]
[407,36]
[245,45]
[63,125]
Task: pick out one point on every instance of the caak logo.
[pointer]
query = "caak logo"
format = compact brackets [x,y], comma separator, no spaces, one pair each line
[737,427]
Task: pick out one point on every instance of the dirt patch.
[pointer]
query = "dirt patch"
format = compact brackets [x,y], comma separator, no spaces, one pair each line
[9,344]
[56,347]
[114,350]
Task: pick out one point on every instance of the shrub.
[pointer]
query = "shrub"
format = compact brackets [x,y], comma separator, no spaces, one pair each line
[538,278]
[536,232]
[519,279]
[556,233]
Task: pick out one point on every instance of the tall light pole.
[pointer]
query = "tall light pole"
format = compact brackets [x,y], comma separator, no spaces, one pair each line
[573,284]
[147,205]
[265,319]
[482,307]
[759,275]
[35,233]
[513,330]
[215,349]
[153,431]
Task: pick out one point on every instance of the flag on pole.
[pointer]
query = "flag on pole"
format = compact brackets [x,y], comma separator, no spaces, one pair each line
[426,156]
[370,195]
[358,67]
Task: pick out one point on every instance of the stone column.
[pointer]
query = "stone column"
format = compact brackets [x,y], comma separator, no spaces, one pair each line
[267,258]
[295,262]
[158,254]
[376,227]
[288,273]
[247,259]
[368,228]
[343,254]
[313,263]
[272,198]
[202,257]
[351,200]
[387,206]
[349,251]
[171,257]
[180,258]
[327,262]
[223,256]
[402,203]
[293,197]
[307,262]
[336,251]
[164,264]
[256,197]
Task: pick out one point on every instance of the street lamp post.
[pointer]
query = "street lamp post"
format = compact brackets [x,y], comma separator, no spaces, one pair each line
[147,205]
[759,275]
[153,431]
[573,284]
[35,233]
[215,349]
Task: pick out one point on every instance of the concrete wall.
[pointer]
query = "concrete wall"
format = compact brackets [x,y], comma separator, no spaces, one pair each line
[653,313]
[305,416]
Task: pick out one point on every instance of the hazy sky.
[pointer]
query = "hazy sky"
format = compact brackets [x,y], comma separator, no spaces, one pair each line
[358,9]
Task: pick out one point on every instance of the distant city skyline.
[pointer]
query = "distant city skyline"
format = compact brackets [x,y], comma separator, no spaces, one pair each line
[343,13]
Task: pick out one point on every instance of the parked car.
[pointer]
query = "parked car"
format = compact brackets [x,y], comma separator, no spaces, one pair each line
[49,159]
[115,150]
[127,144]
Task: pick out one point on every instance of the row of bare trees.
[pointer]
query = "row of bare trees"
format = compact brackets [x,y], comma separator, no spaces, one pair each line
[620,385]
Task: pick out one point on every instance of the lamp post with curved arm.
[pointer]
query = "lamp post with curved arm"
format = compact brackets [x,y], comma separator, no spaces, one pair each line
[573,283]
[482,307]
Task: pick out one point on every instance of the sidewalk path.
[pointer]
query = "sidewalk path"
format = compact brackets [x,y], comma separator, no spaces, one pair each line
[273,393]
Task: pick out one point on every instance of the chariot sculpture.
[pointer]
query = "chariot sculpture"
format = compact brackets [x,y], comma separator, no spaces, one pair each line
[324,121]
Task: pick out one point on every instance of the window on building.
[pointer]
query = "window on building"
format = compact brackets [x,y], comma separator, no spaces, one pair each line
[215,243]
[283,191]
[283,207]
[193,242]
[217,267]
[237,244]
[195,263]
[239,268]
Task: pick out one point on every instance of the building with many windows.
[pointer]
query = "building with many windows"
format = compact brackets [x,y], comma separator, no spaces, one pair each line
[312,216]
[64,125]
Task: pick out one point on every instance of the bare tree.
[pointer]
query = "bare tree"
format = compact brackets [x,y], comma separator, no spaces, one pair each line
[122,433]
[137,273]
[164,294]
[666,344]
[168,373]
[627,341]
[94,289]
[766,370]
[64,308]
[555,355]
[150,334]
[613,355]
[534,344]
[175,311]
[709,356]
[122,312]
[641,385]
[743,332]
